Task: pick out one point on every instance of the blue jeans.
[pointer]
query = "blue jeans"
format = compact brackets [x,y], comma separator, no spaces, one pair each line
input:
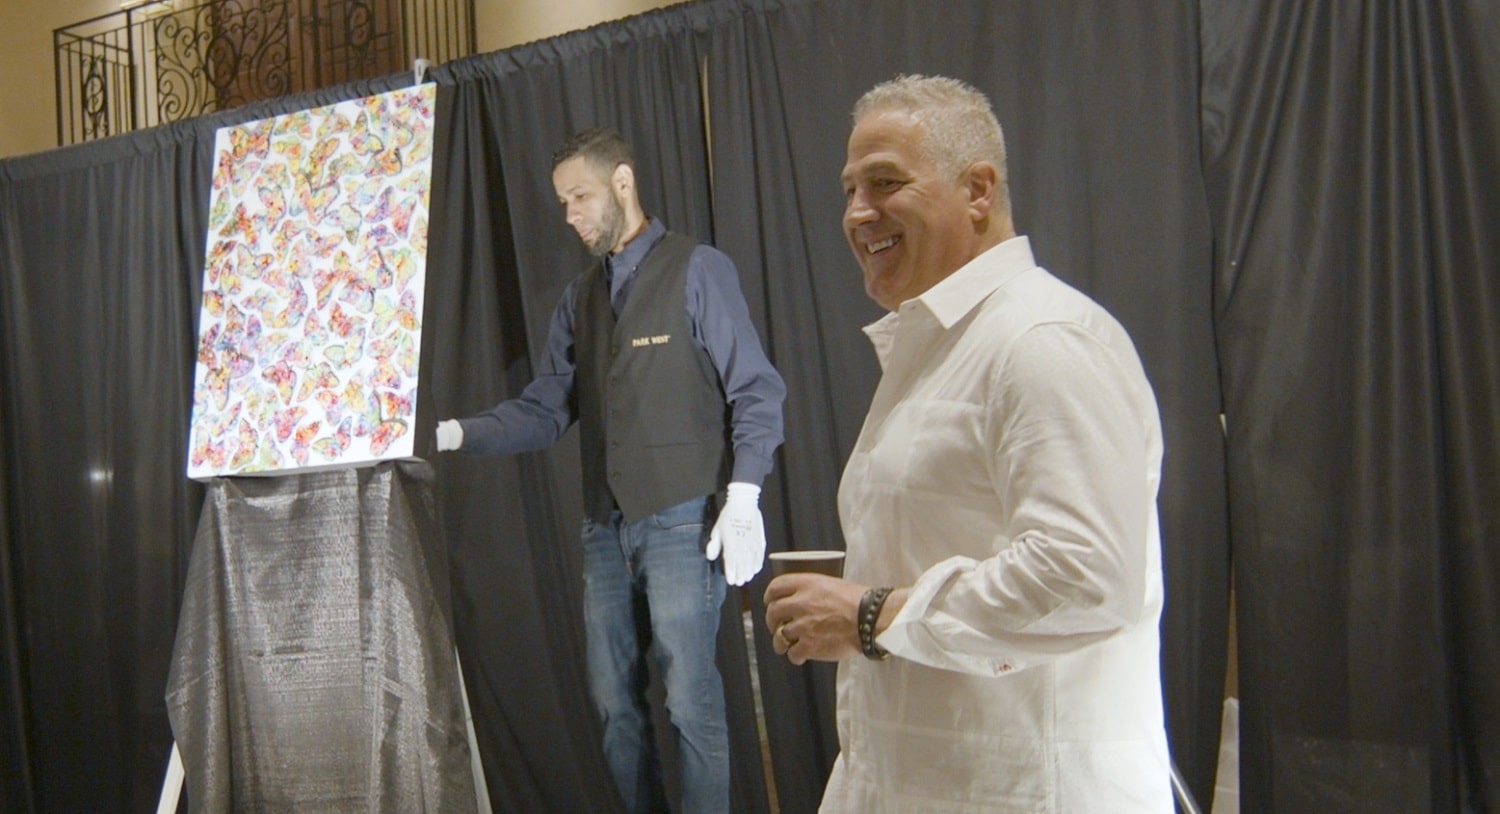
[646,583]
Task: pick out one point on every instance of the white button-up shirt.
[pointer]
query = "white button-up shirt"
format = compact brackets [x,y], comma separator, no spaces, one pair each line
[1008,471]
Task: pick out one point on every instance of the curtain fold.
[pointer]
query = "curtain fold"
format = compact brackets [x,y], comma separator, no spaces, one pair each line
[1350,153]
[98,378]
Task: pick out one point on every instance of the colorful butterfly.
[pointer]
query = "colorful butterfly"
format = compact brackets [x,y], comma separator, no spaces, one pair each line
[283,378]
[396,405]
[302,438]
[251,264]
[273,197]
[215,385]
[349,219]
[418,236]
[402,312]
[333,447]
[249,139]
[210,436]
[240,224]
[385,162]
[401,215]
[343,356]
[359,295]
[206,356]
[295,309]
[397,350]
[382,428]
[321,375]
[334,123]
[245,446]
[341,322]
[293,125]
[291,148]
[313,330]
[331,402]
[231,179]
[286,421]
[363,141]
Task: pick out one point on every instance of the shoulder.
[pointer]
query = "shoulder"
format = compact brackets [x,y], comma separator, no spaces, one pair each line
[706,259]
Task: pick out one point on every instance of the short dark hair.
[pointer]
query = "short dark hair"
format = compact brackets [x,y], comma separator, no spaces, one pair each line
[601,146]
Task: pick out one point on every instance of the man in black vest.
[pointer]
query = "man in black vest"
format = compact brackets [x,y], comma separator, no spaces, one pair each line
[652,351]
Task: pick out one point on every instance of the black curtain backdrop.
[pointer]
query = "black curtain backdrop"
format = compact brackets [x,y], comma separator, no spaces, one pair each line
[1352,151]
[1327,251]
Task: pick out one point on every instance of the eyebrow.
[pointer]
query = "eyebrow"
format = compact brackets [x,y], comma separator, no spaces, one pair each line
[872,168]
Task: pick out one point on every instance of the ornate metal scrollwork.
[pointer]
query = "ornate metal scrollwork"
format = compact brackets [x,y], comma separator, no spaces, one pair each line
[93,94]
[220,55]
[190,59]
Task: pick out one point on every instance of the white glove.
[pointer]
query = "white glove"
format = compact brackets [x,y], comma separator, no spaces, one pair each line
[740,533]
[450,435]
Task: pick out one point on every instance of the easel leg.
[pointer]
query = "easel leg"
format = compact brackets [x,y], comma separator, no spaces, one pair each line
[171,786]
[481,789]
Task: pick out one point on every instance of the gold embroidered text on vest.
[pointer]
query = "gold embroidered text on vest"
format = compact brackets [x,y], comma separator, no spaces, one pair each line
[642,341]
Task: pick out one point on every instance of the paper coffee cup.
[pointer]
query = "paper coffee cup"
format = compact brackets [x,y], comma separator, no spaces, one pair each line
[818,562]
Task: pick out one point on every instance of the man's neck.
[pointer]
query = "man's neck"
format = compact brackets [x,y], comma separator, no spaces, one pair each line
[636,231]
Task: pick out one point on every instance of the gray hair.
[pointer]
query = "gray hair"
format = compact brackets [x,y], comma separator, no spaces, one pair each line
[959,126]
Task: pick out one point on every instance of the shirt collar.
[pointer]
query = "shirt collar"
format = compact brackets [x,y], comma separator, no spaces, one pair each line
[953,297]
[635,251]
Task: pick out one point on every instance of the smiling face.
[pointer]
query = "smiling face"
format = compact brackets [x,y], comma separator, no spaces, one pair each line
[591,204]
[909,224]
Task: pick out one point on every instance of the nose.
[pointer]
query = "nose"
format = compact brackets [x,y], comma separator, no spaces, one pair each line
[857,209]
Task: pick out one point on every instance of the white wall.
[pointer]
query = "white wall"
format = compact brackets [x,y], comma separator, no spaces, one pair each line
[28,99]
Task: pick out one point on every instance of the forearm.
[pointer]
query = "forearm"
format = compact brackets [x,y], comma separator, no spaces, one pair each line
[533,421]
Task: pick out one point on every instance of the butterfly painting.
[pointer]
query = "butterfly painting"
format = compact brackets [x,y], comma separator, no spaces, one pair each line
[313,282]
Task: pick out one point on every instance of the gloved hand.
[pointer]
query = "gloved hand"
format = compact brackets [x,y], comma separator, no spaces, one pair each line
[450,435]
[740,533]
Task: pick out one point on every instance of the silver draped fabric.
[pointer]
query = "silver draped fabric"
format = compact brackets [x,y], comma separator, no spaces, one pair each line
[314,667]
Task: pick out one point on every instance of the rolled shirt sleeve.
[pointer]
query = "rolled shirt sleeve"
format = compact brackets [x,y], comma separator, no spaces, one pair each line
[1069,457]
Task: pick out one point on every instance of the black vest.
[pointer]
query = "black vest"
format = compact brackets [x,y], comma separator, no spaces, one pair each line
[653,423]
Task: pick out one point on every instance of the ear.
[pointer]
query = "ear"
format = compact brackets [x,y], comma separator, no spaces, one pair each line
[623,178]
[982,181]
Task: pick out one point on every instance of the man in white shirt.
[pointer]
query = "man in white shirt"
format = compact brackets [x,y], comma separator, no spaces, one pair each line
[996,626]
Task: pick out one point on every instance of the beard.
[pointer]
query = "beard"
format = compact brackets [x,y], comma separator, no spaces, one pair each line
[611,227]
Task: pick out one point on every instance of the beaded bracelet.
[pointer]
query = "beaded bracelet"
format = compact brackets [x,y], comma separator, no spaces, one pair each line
[869,611]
